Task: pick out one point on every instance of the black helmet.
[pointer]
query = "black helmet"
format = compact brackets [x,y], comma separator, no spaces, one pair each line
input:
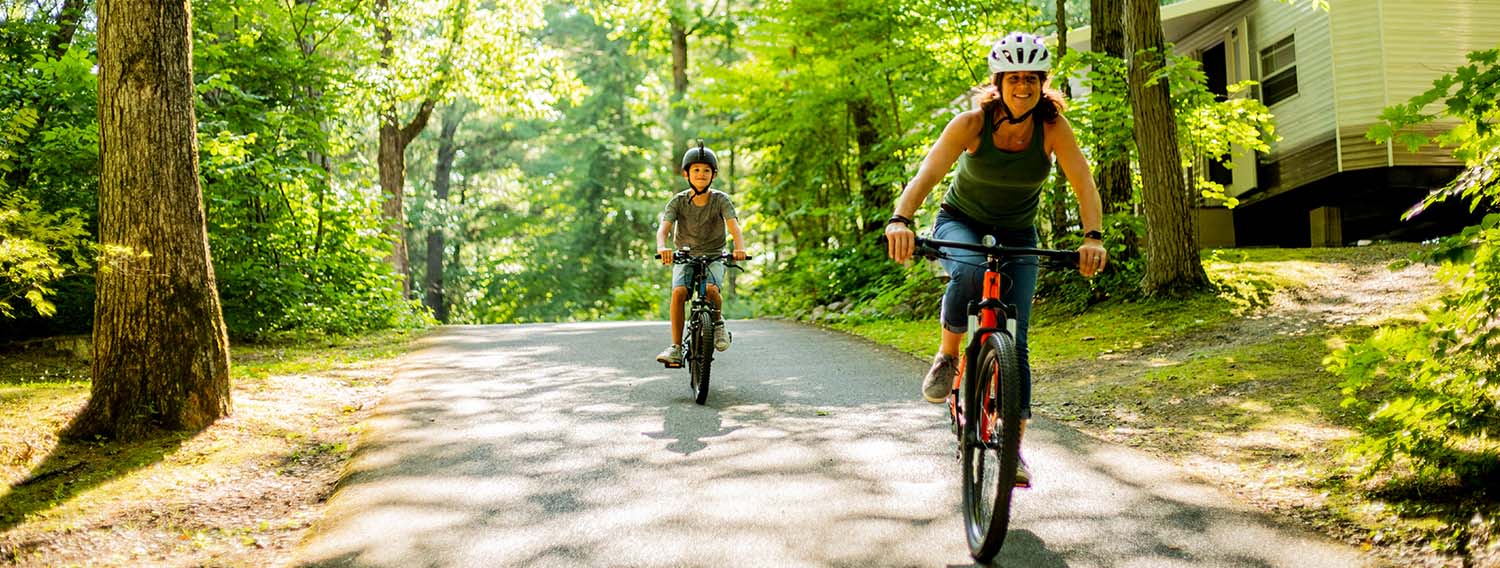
[700,155]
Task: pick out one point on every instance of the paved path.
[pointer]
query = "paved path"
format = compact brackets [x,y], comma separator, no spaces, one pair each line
[566,445]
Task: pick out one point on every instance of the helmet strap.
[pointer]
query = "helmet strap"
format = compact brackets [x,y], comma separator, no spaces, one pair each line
[1010,119]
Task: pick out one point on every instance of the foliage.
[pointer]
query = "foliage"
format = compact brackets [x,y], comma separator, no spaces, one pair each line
[1428,389]
[562,245]
[834,106]
[49,147]
[1209,127]
[1121,276]
[37,248]
[295,247]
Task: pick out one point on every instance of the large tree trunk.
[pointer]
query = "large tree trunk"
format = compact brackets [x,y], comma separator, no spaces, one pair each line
[1172,263]
[442,180]
[161,355]
[1107,36]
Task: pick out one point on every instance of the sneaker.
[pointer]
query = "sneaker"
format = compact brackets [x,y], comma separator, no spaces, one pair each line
[939,380]
[722,337]
[671,356]
[1023,474]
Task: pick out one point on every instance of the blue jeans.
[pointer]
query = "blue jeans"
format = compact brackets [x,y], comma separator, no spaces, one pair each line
[1018,284]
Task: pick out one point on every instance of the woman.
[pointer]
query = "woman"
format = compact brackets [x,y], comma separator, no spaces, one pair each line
[1004,151]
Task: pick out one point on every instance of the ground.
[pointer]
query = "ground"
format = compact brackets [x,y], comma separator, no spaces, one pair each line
[1248,409]
[244,491]
[241,493]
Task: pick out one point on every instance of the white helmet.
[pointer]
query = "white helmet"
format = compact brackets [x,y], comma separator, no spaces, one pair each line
[1019,52]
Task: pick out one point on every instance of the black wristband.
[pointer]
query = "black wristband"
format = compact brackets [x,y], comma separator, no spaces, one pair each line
[902,220]
[1096,235]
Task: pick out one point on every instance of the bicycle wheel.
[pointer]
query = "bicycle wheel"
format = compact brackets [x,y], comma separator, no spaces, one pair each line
[991,444]
[702,356]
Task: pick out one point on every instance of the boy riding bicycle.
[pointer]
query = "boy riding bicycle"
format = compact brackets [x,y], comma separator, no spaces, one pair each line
[700,215]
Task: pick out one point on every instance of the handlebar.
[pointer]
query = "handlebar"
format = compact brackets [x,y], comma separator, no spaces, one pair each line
[684,257]
[932,249]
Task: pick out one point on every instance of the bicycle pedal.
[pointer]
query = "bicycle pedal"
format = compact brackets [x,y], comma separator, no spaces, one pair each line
[671,366]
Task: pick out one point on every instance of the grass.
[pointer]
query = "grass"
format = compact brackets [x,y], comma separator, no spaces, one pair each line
[239,492]
[1218,385]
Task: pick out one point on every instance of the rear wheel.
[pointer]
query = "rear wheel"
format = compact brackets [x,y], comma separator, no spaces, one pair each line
[991,444]
[701,356]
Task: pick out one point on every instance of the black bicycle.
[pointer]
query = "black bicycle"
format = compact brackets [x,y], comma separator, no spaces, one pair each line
[698,337]
[985,403]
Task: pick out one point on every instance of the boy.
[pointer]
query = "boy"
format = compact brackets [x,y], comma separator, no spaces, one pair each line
[700,215]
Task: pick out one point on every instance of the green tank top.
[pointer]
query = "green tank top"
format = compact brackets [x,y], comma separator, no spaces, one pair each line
[999,188]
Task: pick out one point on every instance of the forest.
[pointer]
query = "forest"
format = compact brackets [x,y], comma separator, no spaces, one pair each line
[369,165]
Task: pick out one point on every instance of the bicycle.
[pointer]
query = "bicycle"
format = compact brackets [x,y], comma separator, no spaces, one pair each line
[698,337]
[985,403]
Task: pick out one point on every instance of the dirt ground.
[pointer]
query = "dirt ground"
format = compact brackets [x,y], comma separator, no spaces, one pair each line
[1277,469]
[241,493]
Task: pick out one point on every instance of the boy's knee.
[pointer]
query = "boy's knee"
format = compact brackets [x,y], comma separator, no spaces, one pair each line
[713,289]
[679,293]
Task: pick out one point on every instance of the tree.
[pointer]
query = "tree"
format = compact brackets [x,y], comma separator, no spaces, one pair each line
[396,136]
[161,354]
[442,179]
[1172,264]
[483,51]
[1107,36]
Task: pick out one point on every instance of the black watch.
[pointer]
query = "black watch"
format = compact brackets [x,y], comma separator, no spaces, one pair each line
[902,220]
[1096,235]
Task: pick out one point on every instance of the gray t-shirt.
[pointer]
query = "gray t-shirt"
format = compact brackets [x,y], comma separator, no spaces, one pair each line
[699,228]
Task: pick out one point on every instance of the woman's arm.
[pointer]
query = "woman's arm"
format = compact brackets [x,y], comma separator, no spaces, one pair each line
[1064,145]
[955,139]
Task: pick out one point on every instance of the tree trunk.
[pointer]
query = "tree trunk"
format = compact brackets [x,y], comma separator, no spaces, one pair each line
[876,200]
[1172,263]
[394,138]
[160,354]
[441,181]
[1059,216]
[1107,36]
[678,109]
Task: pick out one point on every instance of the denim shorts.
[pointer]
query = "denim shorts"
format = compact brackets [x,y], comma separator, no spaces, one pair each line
[682,278]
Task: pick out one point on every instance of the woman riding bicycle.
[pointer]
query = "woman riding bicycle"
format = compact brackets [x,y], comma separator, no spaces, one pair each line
[1004,150]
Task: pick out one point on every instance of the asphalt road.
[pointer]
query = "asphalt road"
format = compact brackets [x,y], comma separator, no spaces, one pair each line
[568,445]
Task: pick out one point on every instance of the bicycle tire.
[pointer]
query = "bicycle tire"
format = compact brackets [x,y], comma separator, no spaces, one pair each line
[991,466]
[702,357]
[690,332]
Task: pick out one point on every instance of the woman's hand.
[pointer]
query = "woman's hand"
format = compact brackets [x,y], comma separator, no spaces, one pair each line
[900,241]
[1091,257]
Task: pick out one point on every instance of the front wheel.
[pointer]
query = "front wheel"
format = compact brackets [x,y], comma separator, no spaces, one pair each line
[700,355]
[991,444]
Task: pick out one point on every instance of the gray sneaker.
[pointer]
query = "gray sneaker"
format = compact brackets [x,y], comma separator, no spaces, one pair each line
[1023,474]
[722,337]
[671,356]
[939,380]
